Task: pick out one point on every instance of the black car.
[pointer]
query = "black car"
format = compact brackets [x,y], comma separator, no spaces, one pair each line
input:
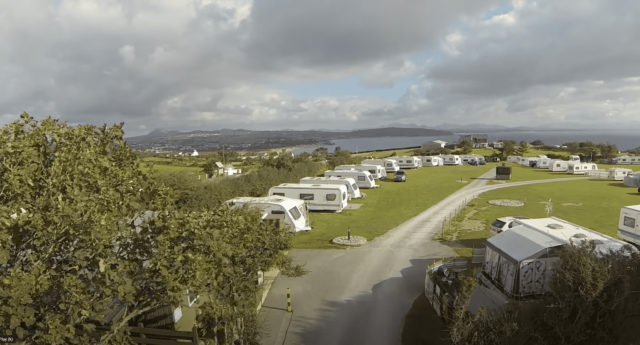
[400,176]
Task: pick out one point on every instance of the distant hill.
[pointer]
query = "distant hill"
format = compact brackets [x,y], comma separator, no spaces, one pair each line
[397,132]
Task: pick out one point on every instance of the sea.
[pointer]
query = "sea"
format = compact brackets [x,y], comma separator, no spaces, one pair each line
[624,140]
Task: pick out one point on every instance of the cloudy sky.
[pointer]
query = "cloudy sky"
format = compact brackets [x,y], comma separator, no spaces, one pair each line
[273,64]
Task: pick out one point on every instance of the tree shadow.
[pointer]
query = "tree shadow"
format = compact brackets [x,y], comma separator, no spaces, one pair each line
[374,318]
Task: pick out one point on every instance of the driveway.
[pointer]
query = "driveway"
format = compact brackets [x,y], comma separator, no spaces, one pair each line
[361,295]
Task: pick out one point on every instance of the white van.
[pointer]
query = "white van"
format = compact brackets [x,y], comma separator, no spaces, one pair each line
[452,160]
[577,168]
[406,162]
[431,161]
[377,171]
[390,165]
[293,210]
[629,224]
[363,178]
[318,197]
[352,187]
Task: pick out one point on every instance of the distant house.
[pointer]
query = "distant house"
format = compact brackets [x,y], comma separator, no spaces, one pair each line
[227,170]
[195,153]
[434,145]
[497,144]
[477,140]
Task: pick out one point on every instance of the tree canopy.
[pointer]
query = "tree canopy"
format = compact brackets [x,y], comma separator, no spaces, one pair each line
[81,227]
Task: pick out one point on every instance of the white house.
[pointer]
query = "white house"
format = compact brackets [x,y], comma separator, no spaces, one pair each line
[227,170]
[195,153]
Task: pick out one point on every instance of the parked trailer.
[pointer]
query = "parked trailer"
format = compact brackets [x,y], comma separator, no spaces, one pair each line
[390,165]
[406,162]
[377,171]
[466,158]
[576,168]
[350,183]
[559,165]
[543,163]
[626,160]
[363,178]
[632,180]
[431,161]
[294,210]
[629,224]
[618,174]
[318,197]
[513,159]
[452,160]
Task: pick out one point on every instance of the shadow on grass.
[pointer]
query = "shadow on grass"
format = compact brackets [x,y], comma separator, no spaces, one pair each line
[377,317]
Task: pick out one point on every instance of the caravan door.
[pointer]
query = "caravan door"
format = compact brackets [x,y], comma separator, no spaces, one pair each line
[629,224]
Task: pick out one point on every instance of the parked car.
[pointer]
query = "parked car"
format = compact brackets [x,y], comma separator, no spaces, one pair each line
[492,159]
[473,161]
[501,224]
[400,176]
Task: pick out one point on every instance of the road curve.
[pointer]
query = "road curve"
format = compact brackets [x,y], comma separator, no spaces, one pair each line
[361,295]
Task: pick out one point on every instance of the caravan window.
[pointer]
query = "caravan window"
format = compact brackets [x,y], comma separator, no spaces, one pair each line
[277,211]
[427,160]
[389,165]
[361,178]
[370,178]
[281,194]
[331,197]
[372,171]
[295,213]
[355,186]
[630,222]
[306,196]
[593,167]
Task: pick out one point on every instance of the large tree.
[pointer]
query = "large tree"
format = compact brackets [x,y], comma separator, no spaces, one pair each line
[81,226]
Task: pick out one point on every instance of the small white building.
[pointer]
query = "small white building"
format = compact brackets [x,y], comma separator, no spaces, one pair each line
[195,153]
[292,211]
[227,170]
[519,262]
[435,145]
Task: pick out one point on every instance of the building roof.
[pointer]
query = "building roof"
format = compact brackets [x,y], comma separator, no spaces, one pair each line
[521,242]
[440,142]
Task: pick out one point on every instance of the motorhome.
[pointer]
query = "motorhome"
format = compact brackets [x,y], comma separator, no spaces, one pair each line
[363,178]
[390,165]
[406,162]
[377,171]
[558,165]
[431,161]
[318,197]
[577,168]
[513,159]
[629,224]
[626,160]
[452,160]
[292,210]
[350,183]
[618,174]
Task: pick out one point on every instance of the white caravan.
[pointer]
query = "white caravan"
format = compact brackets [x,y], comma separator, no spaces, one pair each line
[632,180]
[513,159]
[406,162]
[626,160]
[577,168]
[274,207]
[544,163]
[558,165]
[431,161]
[318,197]
[618,174]
[363,178]
[629,224]
[377,171]
[390,165]
[452,160]
[350,183]
[526,161]
[574,158]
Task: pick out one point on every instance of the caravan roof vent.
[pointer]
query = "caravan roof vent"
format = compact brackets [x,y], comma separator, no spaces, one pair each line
[596,242]
[580,236]
[555,226]
[278,200]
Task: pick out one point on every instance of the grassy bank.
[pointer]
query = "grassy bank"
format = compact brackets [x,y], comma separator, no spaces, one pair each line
[388,206]
[594,204]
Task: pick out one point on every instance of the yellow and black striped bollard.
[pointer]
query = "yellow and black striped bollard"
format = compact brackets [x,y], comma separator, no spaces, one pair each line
[288,300]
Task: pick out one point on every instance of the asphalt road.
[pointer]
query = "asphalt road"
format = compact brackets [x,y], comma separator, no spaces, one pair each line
[361,295]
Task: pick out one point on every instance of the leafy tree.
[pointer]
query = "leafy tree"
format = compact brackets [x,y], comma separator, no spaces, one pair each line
[524,147]
[537,142]
[573,147]
[593,298]
[607,150]
[75,236]
[466,146]
[508,149]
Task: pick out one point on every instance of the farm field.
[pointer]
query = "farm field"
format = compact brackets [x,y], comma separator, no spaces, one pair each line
[388,206]
[594,204]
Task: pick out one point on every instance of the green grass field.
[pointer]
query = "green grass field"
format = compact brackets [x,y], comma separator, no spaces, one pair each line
[173,168]
[594,204]
[386,207]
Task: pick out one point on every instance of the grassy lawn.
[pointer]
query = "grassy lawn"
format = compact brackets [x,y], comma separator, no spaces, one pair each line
[388,206]
[520,173]
[173,168]
[594,204]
